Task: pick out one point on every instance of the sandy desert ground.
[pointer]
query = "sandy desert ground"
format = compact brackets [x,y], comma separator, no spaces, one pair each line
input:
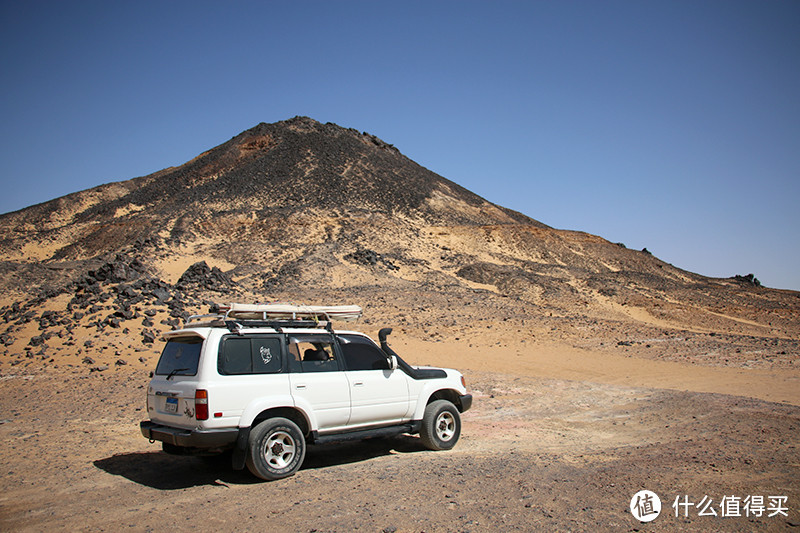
[559,439]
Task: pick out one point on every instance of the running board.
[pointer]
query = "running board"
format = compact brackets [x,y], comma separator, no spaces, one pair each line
[391,431]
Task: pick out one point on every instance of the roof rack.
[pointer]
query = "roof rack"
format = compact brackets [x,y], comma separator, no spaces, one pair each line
[234,316]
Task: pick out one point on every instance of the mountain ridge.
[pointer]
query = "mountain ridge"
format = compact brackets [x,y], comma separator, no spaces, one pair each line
[303,211]
[268,168]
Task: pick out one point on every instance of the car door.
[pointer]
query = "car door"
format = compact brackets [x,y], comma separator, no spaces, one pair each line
[379,395]
[317,380]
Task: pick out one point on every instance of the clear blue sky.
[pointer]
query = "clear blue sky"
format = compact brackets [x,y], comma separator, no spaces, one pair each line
[668,125]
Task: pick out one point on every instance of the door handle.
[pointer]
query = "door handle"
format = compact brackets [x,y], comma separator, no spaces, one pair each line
[358,384]
[299,387]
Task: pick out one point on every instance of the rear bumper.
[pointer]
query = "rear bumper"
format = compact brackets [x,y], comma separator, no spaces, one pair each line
[189,438]
[466,402]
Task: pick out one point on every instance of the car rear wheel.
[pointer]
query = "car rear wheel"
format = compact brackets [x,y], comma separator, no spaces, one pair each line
[441,425]
[276,449]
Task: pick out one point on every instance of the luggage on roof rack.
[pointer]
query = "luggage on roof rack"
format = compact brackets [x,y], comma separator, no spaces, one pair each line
[281,311]
[277,313]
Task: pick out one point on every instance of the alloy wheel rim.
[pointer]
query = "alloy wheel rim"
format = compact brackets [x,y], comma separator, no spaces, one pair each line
[279,450]
[445,426]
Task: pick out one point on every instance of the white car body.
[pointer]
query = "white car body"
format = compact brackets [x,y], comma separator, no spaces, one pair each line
[213,384]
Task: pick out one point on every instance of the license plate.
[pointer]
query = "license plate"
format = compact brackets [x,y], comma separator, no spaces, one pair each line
[172,405]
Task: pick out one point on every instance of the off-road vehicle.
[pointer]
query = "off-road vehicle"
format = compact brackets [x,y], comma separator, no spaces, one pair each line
[263,381]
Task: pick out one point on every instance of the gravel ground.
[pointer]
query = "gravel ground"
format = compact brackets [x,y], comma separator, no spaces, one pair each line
[535,454]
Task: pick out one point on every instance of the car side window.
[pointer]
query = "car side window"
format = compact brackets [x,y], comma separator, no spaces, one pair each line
[315,352]
[295,357]
[249,355]
[361,353]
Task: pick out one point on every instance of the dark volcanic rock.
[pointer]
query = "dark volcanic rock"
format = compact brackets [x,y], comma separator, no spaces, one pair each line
[370,258]
[749,279]
[119,270]
[283,276]
[37,340]
[201,276]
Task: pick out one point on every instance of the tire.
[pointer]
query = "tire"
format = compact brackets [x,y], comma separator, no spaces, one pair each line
[276,449]
[441,426]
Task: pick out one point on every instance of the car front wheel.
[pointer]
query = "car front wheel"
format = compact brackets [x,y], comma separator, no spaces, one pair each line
[441,425]
[276,449]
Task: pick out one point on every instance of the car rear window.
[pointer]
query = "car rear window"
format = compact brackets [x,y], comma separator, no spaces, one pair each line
[180,357]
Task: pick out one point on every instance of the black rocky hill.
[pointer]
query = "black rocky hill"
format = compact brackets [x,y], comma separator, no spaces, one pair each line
[299,164]
[271,170]
[292,201]
[297,208]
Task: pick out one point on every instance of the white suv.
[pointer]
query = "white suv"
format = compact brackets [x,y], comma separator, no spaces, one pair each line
[264,380]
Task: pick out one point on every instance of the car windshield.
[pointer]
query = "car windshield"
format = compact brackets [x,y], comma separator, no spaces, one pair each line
[180,357]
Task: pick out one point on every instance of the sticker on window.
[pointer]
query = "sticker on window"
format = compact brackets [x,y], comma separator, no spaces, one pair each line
[266,354]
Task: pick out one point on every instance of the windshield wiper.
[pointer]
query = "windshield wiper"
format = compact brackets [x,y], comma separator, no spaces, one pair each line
[175,372]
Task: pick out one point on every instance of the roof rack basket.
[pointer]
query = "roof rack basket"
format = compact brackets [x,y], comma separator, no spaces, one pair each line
[236,315]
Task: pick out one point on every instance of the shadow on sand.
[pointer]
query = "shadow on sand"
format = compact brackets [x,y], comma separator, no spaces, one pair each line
[162,471]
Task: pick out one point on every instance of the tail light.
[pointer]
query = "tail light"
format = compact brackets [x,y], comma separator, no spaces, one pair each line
[201,404]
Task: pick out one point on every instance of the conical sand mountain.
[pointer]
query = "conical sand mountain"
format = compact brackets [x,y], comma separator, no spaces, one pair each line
[297,208]
[301,164]
[270,170]
[306,196]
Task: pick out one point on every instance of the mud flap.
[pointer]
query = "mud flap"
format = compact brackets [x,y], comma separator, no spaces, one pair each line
[240,451]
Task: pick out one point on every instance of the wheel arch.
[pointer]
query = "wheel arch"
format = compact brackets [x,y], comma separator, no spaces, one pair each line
[271,406]
[451,395]
[292,413]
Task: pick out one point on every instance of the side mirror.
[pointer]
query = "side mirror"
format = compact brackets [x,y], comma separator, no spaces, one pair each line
[392,362]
